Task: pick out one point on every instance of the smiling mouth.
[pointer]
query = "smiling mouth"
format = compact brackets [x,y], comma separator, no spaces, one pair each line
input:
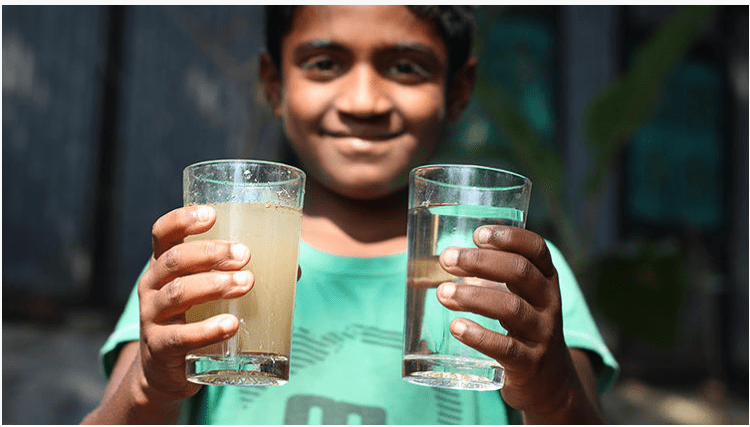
[365,137]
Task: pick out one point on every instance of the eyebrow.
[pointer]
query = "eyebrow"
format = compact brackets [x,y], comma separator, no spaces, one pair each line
[398,47]
[319,44]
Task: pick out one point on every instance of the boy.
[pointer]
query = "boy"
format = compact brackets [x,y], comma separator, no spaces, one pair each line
[363,93]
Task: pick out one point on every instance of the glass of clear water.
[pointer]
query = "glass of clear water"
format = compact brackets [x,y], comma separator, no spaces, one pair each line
[447,203]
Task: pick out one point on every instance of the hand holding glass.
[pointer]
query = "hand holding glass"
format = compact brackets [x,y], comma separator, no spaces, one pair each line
[447,203]
[258,204]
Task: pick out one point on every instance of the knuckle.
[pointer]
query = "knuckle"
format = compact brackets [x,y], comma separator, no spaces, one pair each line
[216,252]
[172,340]
[171,260]
[484,339]
[509,348]
[209,248]
[217,285]
[175,291]
[156,230]
[469,258]
[539,248]
[523,268]
[516,307]
[148,342]
[143,283]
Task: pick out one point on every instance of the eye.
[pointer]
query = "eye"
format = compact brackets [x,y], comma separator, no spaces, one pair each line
[324,64]
[321,67]
[408,71]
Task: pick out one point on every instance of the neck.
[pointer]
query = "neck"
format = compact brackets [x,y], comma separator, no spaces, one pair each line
[342,226]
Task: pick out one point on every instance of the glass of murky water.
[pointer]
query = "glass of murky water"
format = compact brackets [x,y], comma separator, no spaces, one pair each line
[258,204]
[447,203]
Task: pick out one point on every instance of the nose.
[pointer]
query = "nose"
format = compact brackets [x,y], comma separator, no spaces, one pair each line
[364,93]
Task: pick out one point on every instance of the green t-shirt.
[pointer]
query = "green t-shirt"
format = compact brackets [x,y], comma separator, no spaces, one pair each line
[346,354]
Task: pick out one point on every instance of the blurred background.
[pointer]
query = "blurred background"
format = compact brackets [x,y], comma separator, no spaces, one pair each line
[632,121]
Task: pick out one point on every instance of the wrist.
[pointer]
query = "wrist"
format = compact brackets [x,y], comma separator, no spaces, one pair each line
[148,400]
[572,406]
[569,403]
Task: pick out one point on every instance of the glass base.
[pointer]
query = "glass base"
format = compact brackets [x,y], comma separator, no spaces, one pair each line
[453,372]
[248,370]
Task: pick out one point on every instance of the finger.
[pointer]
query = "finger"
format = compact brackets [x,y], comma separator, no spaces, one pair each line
[519,241]
[172,228]
[179,339]
[517,316]
[180,294]
[521,276]
[510,352]
[196,257]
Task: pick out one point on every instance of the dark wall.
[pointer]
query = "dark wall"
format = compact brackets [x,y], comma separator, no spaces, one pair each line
[102,109]
[52,60]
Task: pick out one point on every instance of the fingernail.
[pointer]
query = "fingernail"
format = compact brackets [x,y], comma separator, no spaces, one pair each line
[241,278]
[239,251]
[484,235]
[459,328]
[447,290]
[449,257]
[203,213]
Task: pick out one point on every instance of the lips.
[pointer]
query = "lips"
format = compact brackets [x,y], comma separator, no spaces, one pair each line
[364,146]
[363,135]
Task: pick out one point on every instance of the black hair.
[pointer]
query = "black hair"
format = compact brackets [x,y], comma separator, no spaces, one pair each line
[456,25]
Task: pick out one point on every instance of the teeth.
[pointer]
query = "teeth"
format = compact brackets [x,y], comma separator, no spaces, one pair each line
[358,143]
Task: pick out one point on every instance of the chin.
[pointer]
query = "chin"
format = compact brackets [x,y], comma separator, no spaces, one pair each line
[361,181]
[364,189]
[365,192]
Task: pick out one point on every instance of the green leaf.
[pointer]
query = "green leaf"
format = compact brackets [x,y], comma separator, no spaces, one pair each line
[536,158]
[625,106]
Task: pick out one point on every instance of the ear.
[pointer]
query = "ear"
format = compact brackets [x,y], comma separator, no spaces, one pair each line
[270,76]
[460,89]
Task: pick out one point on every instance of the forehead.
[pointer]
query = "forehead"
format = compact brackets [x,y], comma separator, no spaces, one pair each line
[375,26]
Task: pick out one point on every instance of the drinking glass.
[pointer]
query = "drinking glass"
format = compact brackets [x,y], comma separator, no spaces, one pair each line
[446,204]
[259,204]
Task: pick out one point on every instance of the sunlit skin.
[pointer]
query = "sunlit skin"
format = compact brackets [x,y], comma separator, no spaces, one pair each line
[363,96]
[362,101]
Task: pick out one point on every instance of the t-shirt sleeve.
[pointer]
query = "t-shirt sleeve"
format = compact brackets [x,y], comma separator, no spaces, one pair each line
[128,328]
[579,327]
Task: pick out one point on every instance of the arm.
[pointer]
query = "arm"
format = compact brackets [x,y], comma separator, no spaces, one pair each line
[148,382]
[124,402]
[582,405]
[544,379]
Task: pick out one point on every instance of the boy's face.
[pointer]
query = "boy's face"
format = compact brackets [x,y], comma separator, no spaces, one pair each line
[361,94]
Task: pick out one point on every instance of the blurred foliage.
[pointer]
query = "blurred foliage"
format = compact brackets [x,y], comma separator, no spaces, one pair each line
[624,106]
[643,281]
[642,290]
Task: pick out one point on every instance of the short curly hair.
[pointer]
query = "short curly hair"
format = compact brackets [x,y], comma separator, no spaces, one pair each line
[456,24]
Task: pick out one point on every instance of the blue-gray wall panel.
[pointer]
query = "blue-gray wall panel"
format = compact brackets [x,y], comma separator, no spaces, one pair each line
[51,60]
[189,94]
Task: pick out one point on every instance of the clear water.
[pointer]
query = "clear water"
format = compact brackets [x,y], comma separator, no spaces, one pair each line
[453,372]
[432,356]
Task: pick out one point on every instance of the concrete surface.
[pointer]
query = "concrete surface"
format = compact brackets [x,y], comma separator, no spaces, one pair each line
[51,375]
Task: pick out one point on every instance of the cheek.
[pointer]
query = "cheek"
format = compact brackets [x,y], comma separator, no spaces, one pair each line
[302,105]
[426,115]
[423,108]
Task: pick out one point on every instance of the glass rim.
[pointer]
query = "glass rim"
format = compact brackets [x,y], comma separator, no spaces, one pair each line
[300,173]
[524,181]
